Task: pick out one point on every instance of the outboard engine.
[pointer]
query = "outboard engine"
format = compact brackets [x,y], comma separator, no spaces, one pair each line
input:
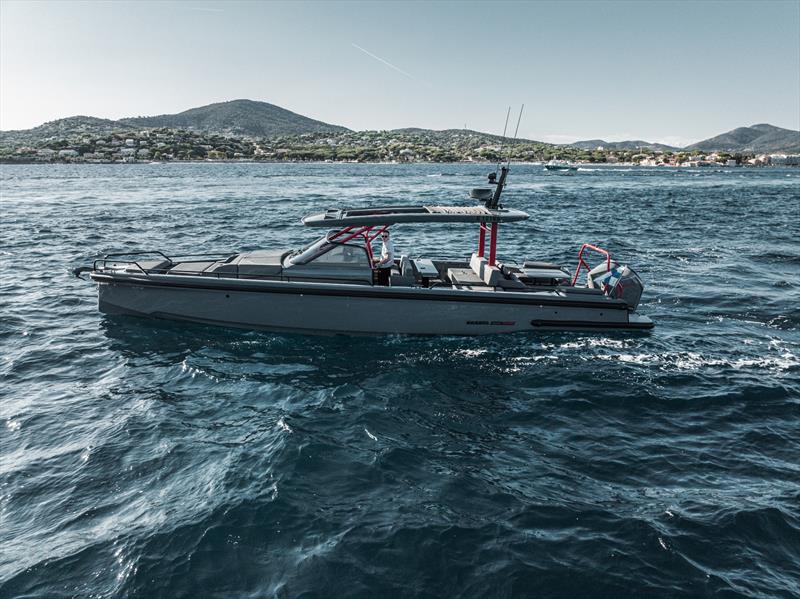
[620,282]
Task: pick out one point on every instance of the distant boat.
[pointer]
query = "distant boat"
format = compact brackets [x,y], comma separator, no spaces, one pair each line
[560,166]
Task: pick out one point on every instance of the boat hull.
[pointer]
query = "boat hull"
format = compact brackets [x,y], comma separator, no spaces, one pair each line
[358,310]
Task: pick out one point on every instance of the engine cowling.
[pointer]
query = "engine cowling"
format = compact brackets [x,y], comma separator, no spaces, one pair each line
[619,282]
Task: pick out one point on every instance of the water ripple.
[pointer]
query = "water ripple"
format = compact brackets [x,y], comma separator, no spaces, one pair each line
[145,458]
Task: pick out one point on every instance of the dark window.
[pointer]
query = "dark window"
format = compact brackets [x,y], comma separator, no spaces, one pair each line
[344,255]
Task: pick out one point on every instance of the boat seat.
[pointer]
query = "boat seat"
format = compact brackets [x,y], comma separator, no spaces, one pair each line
[406,267]
[148,265]
[545,274]
[490,275]
[478,264]
[425,268]
[260,263]
[189,268]
[222,269]
[464,276]
[494,276]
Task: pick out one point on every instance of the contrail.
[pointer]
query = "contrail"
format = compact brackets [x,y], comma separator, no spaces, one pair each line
[386,62]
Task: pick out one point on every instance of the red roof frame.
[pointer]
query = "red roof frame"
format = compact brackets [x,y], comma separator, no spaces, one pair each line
[365,232]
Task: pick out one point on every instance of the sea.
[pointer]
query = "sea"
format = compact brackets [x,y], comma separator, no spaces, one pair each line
[146,458]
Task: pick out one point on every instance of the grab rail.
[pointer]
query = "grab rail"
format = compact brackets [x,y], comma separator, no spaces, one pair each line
[582,262]
[138,253]
[104,260]
[102,263]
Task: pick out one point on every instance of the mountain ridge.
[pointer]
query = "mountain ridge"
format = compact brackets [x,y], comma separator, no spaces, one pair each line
[258,119]
[592,144]
[239,117]
[464,132]
[756,138]
[759,138]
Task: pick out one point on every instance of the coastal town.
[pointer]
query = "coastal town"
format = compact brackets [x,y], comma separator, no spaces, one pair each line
[400,146]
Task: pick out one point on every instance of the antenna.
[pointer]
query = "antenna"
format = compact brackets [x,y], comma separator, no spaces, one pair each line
[494,201]
[519,119]
[500,153]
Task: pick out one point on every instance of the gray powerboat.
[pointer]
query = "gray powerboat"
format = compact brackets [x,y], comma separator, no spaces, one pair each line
[329,286]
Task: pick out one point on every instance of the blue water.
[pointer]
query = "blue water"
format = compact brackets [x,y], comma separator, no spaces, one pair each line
[152,459]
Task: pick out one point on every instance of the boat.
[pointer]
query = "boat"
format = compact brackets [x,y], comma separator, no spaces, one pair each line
[329,286]
[560,166]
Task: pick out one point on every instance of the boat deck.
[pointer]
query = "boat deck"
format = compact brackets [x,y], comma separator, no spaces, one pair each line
[419,272]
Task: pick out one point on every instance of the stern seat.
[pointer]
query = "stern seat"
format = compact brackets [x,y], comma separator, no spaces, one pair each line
[492,275]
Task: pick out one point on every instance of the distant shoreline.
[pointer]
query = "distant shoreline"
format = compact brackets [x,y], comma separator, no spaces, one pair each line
[404,163]
[83,140]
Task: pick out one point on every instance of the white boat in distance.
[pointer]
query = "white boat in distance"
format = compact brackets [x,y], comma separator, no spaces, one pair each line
[561,167]
[329,286]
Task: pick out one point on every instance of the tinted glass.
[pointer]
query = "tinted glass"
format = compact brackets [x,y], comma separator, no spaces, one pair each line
[343,255]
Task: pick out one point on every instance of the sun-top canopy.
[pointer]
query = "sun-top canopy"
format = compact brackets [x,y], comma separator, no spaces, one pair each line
[391,215]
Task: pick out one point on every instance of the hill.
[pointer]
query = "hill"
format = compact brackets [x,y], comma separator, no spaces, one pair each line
[63,128]
[758,138]
[593,144]
[237,117]
[267,124]
[761,138]
[463,134]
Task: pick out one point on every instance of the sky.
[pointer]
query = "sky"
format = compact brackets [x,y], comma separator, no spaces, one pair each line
[673,72]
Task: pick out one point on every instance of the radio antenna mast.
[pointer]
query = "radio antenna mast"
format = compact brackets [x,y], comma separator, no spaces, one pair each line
[500,153]
[519,119]
[493,202]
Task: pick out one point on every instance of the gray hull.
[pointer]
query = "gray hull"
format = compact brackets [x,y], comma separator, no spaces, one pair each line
[319,308]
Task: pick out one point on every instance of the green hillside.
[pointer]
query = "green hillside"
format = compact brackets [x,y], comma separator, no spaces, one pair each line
[758,138]
[237,117]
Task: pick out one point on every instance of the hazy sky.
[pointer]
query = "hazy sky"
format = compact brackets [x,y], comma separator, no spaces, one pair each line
[675,72]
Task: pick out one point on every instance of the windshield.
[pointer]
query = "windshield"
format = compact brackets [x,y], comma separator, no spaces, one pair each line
[330,253]
[304,255]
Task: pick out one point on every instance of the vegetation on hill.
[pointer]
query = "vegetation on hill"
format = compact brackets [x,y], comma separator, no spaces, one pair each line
[237,117]
[592,144]
[165,144]
[247,130]
[758,138]
[69,127]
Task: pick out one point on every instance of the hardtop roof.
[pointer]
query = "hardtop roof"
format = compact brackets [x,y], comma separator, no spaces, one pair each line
[390,215]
